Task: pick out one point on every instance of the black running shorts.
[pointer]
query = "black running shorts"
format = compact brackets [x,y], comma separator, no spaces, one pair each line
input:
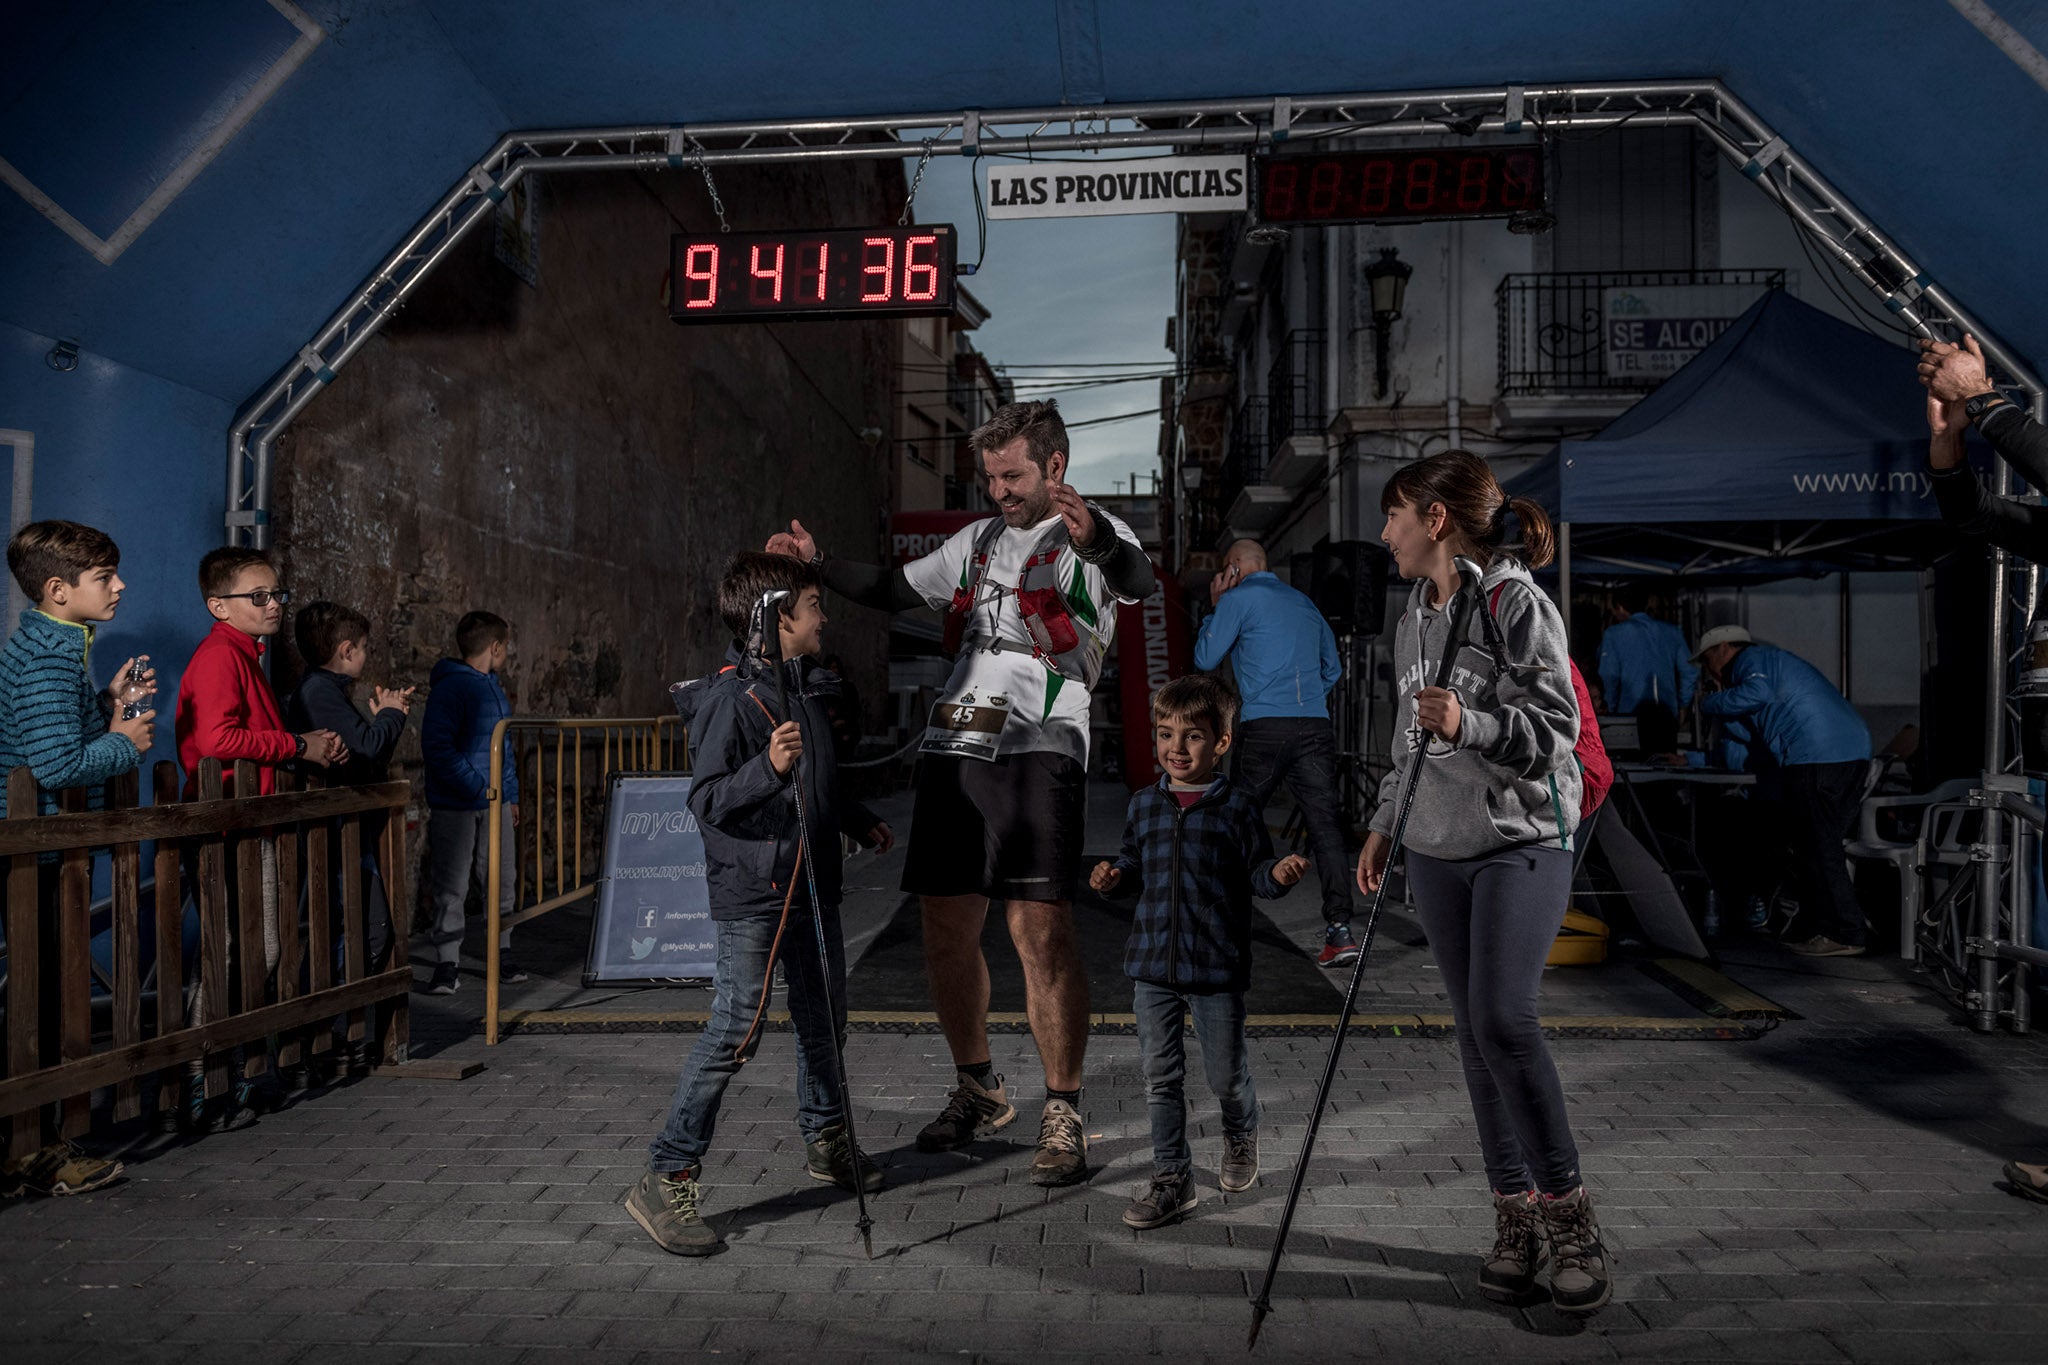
[1010,829]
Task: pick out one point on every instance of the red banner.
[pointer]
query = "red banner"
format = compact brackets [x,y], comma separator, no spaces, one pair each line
[1152,650]
[913,535]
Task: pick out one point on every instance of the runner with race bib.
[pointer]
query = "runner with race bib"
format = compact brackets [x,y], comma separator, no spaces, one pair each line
[1030,598]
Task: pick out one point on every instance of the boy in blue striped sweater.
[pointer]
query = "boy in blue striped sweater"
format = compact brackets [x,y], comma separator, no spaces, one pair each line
[57,725]
[1195,852]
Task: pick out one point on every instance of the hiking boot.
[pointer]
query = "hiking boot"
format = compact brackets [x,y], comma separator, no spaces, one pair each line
[1820,945]
[1578,1263]
[1509,1274]
[830,1157]
[1339,948]
[1240,1162]
[971,1112]
[1163,1201]
[445,980]
[59,1169]
[2029,1182]
[664,1204]
[1062,1155]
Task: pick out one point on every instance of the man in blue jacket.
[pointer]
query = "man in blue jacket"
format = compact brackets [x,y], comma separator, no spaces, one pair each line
[1285,659]
[1645,669]
[464,704]
[1821,750]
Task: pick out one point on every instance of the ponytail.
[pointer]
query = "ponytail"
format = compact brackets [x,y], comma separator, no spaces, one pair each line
[1538,538]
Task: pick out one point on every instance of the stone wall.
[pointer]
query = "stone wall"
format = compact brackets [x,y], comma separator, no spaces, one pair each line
[564,455]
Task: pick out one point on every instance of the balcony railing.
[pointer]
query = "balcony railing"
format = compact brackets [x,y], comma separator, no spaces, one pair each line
[1554,330]
[1294,390]
[1244,459]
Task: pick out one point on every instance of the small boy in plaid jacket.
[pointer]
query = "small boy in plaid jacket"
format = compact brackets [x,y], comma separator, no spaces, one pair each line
[1195,852]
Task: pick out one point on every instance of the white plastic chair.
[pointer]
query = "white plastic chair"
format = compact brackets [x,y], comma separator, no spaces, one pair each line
[1908,855]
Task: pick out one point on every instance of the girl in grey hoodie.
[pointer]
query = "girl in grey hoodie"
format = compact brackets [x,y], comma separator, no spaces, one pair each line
[1488,844]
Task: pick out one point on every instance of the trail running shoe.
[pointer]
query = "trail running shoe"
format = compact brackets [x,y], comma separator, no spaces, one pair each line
[1339,948]
[1240,1162]
[1579,1282]
[1509,1274]
[62,1168]
[1167,1198]
[665,1207]
[972,1112]
[1062,1156]
[831,1158]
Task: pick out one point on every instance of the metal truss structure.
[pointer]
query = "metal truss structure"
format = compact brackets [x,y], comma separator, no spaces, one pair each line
[1850,237]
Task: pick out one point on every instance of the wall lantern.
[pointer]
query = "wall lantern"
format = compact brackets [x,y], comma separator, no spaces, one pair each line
[1387,277]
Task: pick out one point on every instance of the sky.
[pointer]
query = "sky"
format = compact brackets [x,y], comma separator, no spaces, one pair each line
[1070,292]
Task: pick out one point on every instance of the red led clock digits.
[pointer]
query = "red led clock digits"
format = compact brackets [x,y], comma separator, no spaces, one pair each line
[1379,187]
[1518,181]
[1322,189]
[883,275]
[815,294]
[1421,188]
[1281,177]
[1472,176]
[700,268]
[913,268]
[766,282]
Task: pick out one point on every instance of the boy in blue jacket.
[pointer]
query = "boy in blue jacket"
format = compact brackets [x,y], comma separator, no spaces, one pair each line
[55,723]
[464,705]
[747,757]
[1195,852]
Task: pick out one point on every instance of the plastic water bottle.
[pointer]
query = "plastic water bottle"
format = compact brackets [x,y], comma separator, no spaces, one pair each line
[1710,919]
[136,694]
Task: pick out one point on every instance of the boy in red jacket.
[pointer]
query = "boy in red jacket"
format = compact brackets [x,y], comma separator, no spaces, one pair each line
[227,711]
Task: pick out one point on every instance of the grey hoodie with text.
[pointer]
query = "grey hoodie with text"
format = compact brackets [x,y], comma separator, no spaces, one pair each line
[1511,778]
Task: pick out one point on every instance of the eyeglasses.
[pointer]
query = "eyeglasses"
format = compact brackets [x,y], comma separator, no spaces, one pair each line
[260,598]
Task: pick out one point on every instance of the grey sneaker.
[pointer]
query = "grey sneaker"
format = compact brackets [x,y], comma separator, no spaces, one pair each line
[1579,1281]
[971,1113]
[665,1206]
[1509,1274]
[1062,1155]
[1820,945]
[831,1158]
[1164,1200]
[1240,1162]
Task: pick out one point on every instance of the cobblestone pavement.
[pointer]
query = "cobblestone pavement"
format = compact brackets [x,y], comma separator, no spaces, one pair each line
[1826,1193]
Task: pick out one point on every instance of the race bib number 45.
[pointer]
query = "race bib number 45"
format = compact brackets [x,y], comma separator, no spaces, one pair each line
[966,726]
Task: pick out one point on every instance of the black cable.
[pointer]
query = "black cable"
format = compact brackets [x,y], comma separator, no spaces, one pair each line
[1862,314]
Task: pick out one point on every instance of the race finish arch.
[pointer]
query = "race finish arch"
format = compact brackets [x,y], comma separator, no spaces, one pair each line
[1250,125]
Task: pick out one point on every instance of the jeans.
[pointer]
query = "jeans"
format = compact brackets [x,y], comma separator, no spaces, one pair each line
[1219,1028]
[1302,752]
[459,848]
[1491,922]
[745,947]
[1820,800]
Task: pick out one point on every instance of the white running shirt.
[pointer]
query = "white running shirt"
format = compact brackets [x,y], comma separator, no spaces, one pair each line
[1048,714]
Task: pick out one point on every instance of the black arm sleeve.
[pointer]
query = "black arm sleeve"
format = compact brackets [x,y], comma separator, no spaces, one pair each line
[2019,440]
[870,585]
[1124,566]
[1972,509]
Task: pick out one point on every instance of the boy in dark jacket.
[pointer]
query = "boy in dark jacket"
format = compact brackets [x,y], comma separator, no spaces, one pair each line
[55,723]
[334,643]
[1195,852]
[748,754]
[465,702]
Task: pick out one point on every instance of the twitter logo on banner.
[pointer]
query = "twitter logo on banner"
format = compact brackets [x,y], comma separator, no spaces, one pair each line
[642,947]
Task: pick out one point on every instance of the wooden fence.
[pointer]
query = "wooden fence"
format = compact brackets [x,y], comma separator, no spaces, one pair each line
[55,1053]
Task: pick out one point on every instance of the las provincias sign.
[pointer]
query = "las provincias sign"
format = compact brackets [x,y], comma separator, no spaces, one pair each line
[1078,189]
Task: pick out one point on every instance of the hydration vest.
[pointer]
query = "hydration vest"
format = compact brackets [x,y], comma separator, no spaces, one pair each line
[1066,633]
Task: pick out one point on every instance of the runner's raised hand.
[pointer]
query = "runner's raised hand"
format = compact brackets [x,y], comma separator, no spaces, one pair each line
[1074,512]
[795,541]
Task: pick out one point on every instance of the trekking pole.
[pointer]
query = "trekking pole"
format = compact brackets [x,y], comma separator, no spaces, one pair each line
[1461,608]
[771,640]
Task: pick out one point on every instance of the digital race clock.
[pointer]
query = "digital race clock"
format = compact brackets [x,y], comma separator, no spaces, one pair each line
[829,273]
[1406,186]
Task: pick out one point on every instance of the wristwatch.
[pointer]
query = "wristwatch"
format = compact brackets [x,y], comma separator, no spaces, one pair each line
[1977,405]
[300,740]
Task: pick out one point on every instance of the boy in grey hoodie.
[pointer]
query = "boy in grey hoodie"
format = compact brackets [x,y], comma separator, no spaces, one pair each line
[1489,846]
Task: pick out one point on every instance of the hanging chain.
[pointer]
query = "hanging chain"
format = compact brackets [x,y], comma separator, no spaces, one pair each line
[704,169]
[903,219]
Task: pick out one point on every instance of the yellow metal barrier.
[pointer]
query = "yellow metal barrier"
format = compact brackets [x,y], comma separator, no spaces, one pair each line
[564,766]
